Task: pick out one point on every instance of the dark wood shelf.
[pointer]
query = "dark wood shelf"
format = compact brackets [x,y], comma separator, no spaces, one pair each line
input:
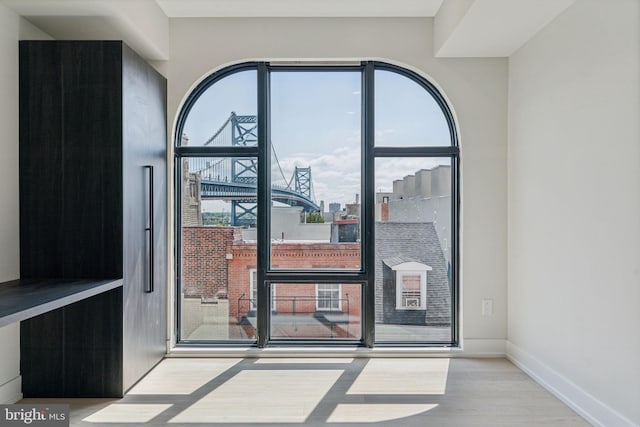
[27,298]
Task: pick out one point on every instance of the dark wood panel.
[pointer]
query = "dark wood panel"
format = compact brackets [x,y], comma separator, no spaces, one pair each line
[92,115]
[71,159]
[42,354]
[144,144]
[93,341]
[75,351]
[41,190]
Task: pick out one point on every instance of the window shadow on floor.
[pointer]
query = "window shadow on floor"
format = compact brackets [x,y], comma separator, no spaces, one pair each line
[331,392]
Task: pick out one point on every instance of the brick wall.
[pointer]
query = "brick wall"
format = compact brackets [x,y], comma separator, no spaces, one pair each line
[204,263]
[304,295]
[217,264]
[316,255]
[243,261]
[292,256]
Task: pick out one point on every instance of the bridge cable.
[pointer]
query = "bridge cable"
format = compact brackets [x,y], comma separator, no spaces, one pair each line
[210,140]
[280,168]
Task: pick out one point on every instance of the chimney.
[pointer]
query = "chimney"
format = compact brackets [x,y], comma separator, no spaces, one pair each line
[384,212]
[384,209]
[357,198]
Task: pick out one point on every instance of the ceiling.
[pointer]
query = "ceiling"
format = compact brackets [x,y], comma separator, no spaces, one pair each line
[462,28]
[299,8]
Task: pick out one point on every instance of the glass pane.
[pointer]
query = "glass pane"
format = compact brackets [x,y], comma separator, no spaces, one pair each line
[225,113]
[413,250]
[410,282]
[406,114]
[328,297]
[316,311]
[316,170]
[218,251]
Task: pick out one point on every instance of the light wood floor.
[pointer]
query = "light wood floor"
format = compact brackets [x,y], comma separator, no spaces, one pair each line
[329,392]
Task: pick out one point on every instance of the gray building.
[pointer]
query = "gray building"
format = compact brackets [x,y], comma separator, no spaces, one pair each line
[191,198]
[424,196]
[412,280]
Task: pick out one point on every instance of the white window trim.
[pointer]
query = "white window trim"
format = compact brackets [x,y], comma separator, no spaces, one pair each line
[339,298]
[252,271]
[254,305]
[411,269]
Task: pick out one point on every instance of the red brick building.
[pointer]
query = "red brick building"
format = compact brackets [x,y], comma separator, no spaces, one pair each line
[217,264]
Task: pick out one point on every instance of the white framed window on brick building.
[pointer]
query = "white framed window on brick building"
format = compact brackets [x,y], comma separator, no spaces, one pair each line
[253,291]
[328,297]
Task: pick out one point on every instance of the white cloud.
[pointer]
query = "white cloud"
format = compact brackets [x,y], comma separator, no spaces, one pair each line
[336,174]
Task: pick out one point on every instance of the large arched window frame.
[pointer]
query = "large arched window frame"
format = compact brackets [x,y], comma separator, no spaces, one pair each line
[364,276]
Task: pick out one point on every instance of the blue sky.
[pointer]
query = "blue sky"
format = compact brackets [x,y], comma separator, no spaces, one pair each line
[316,119]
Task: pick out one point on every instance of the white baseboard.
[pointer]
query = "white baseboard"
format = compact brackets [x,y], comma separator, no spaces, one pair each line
[11,391]
[469,348]
[483,347]
[578,399]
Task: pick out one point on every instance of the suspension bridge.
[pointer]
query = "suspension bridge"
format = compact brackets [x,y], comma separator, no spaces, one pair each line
[235,179]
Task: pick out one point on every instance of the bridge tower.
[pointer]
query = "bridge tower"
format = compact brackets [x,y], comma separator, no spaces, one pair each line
[302,181]
[243,170]
[235,179]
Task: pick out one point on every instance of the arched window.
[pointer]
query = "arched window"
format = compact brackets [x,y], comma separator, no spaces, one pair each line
[297,181]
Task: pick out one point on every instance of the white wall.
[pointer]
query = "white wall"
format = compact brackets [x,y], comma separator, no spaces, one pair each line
[574,208]
[12,28]
[9,239]
[477,89]
[285,221]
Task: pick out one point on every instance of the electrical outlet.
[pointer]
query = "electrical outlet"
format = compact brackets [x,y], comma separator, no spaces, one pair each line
[487,307]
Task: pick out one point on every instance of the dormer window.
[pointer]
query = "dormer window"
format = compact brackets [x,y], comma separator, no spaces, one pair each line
[411,284]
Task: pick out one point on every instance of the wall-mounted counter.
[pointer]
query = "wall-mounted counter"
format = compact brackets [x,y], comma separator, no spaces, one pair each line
[23,299]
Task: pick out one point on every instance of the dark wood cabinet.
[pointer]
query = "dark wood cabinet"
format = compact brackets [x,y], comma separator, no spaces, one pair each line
[92,206]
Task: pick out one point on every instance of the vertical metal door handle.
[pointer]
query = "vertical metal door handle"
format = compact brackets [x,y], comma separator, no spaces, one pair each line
[149,230]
